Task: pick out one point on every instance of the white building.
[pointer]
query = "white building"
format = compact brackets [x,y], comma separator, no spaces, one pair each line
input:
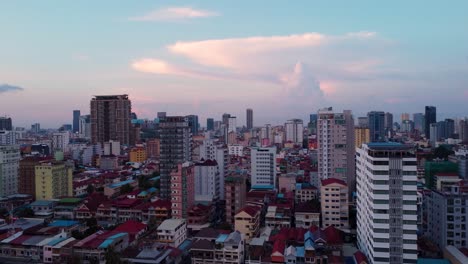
[294,131]
[265,132]
[60,141]
[232,124]
[172,232]
[387,203]
[112,148]
[207,187]
[211,150]
[236,150]
[9,165]
[263,163]
[85,126]
[7,137]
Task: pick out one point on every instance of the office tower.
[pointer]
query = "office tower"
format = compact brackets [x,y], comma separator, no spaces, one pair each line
[60,141]
[176,148]
[430,116]
[110,119]
[53,180]
[36,128]
[294,131]
[226,119]
[446,214]
[263,163]
[5,123]
[76,120]
[334,203]
[404,117]
[335,136]
[235,190]
[449,128]
[7,137]
[388,121]
[361,136]
[207,181]
[313,124]
[418,119]
[363,121]
[377,126]
[232,124]
[182,189]
[153,147]
[210,124]
[193,124]
[84,128]
[387,203]
[27,175]
[9,165]
[249,118]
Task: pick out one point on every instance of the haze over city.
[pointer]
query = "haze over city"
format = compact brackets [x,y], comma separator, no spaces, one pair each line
[284,59]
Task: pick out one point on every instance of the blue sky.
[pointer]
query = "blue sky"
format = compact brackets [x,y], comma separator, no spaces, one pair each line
[283,59]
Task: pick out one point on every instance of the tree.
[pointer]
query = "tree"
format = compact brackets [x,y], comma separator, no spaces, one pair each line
[90,189]
[25,212]
[127,188]
[442,152]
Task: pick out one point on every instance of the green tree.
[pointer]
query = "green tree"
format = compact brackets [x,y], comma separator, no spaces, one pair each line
[90,189]
[127,188]
[25,212]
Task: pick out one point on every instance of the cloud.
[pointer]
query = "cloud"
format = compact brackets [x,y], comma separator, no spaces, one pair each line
[174,13]
[9,88]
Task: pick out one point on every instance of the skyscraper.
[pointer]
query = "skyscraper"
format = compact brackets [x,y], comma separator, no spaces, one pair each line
[175,148]
[232,124]
[404,117]
[335,135]
[418,119]
[387,203]
[430,117]
[249,118]
[76,120]
[388,121]
[5,123]
[376,126]
[226,119]
[193,124]
[209,124]
[110,119]
[294,131]
[449,128]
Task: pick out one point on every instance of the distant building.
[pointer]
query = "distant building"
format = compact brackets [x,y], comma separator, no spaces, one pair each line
[9,164]
[153,148]
[405,117]
[84,128]
[377,126]
[138,154]
[76,120]
[5,123]
[249,113]
[263,163]
[182,189]
[430,118]
[294,131]
[232,125]
[418,119]
[108,162]
[112,148]
[363,121]
[361,136]
[334,202]
[8,137]
[193,124]
[235,192]
[53,180]
[210,124]
[60,141]
[388,121]
[36,128]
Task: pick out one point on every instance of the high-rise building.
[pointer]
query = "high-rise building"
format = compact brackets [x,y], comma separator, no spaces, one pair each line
[407,126]
[263,163]
[161,115]
[53,180]
[232,124]
[387,203]
[226,117]
[388,121]
[111,148]
[377,126]
[361,136]
[434,133]
[182,189]
[265,132]
[9,165]
[235,190]
[404,117]
[5,123]
[8,137]
[193,124]
[138,154]
[60,141]
[249,118]
[84,126]
[294,131]
[153,147]
[463,130]
[207,181]
[76,120]
[36,128]
[175,148]
[210,150]
[446,216]
[335,136]
[449,128]
[110,118]
[210,124]
[334,203]
[430,117]
[363,121]
[27,175]
[418,119]
[313,124]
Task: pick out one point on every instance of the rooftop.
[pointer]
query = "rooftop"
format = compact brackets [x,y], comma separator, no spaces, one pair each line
[171,224]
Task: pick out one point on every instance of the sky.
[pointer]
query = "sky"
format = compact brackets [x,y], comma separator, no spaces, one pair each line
[283,59]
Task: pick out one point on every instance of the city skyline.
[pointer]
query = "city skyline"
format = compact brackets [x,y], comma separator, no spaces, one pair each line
[307,56]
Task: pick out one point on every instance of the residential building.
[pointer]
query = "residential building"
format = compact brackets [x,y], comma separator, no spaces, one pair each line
[211,150]
[108,162]
[279,216]
[220,248]
[36,128]
[336,150]
[236,150]
[446,216]
[111,147]
[363,121]
[85,126]
[182,189]
[27,175]
[193,124]
[5,123]
[153,147]
[405,117]
[387,203]
[176,148]
[418,119]
[247,222]
[334,202]
[263,164]
[172,232]
[60,141]
[94,247]
[305,192]
[388,121]
[294,131]
[307,214]
[8,137]
[76,121]
[249,118]
[430,118]
[232,124]
[210,124]
[207,187]
[235,192]
[9,165]
[110,118]
[138,154]
[53,180]
[376,126]
[361,136]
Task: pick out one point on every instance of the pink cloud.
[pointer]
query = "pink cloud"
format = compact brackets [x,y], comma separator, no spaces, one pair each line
[174,13]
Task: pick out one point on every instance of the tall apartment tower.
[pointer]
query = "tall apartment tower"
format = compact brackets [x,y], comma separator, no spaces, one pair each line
[418,119]
[209,124]
[376,126]
[53,180]
[5,123]
[9,165]
[111,119]
[226,119]
[387,203]
[430,117]
[388,121]
[76,120]
[249,118]
[193,123]
[235,190]
[175,148]
[182,189]
[404,117]
[335,134]
[263,163]
[232,124]
[294,131]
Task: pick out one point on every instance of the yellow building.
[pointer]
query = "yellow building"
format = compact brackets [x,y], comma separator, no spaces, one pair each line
[53,180]
[138,154]
[247,222]
[361,136]
[334,202]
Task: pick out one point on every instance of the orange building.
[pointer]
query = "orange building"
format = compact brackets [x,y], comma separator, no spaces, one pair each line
[138,154]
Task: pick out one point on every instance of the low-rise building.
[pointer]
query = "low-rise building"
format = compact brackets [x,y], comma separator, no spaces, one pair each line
[305,192]
[307,214]
[225,248]
[247,222]
[94,247]
[172,232]
[334,201]
[43,208]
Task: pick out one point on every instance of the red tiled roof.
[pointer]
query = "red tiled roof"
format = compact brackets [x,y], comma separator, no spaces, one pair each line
[360,257]
[250,210]
[20,240]
[279,246]
[127,203]
[333,235]
[131,227]
[333,180]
